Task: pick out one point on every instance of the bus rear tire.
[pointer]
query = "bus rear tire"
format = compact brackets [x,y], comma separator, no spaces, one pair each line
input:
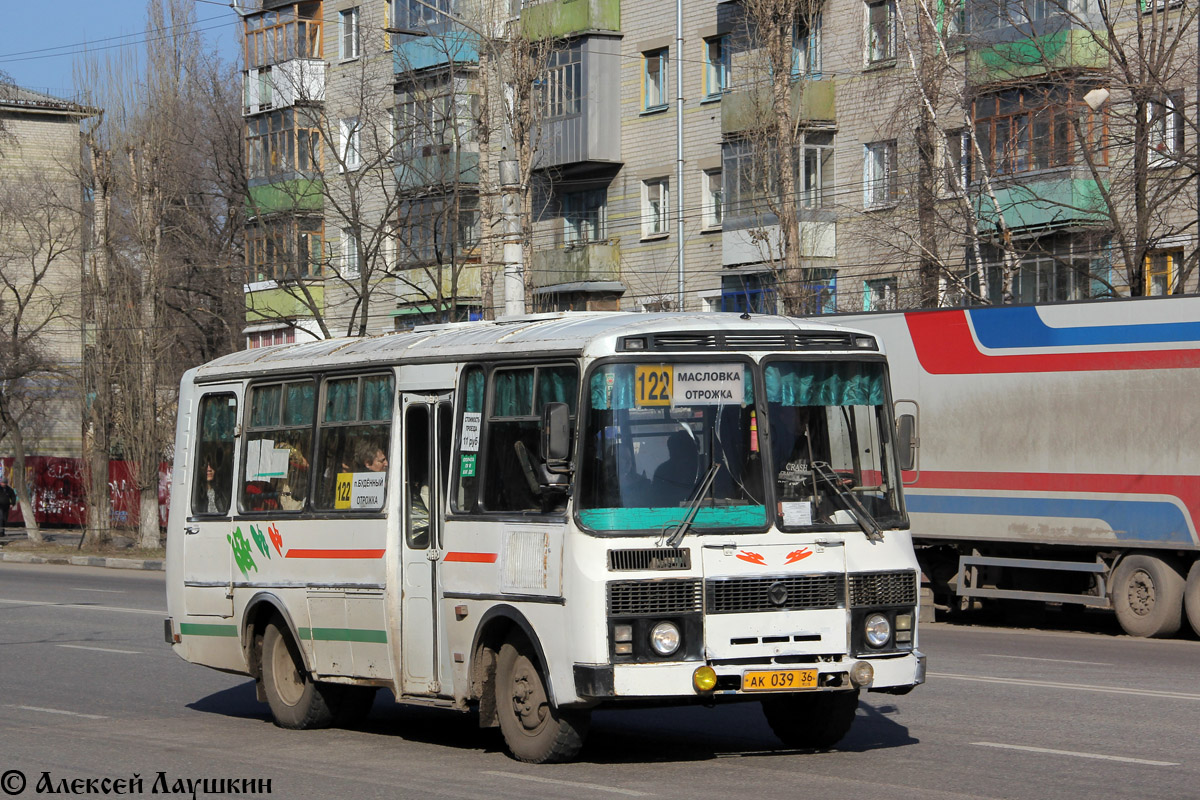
[1147,595]
[811,720]
[1191,597]
[296,700]
[534,730]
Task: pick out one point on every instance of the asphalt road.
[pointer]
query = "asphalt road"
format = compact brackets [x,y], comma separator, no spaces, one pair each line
[89,690]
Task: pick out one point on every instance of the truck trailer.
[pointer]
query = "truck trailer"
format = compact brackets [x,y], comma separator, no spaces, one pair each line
[1058,455]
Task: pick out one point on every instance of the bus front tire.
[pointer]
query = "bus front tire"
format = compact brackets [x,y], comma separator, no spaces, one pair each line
[811,720]
[1147,595]
[534,730]
[296,700]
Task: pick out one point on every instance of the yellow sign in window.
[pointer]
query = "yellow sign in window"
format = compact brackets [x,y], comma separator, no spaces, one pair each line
[653,384]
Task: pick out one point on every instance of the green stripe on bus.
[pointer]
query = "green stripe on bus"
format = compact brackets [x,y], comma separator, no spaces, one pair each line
[343,635]
[203,629]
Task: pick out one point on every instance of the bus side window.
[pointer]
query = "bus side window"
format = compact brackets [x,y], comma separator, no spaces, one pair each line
[278,447]
[212,477]
[466,466]
[354,437]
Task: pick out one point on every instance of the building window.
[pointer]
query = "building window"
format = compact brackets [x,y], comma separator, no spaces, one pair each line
[713,192]
[656,202]
[434,117]
[879,294]
[816,178]
[274,38]
[271,337]
[1166,129]
[657,86]
[281,143]
[1055,268]
[956,162]
[351,142]
[879,174]
[988,15]
[420,15]
[1032,128]
[440,229]
[716,66]
[284,249]
[758,294]
[351,42]
[1161,268]
[881,31]
[562,89]
[350,254]
[806,47]
[584,216]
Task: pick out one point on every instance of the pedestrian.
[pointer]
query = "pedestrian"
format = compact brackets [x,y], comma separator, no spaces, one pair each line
[8,499]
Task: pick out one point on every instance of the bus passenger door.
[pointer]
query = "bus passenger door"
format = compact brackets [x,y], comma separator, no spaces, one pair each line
[426,431]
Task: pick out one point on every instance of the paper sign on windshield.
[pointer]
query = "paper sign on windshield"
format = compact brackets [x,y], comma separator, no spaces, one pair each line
[708,384]
[359,490]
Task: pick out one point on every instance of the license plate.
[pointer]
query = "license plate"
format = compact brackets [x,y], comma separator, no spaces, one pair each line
[780,680]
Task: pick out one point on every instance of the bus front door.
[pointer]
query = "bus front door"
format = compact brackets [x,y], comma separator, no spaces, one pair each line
[426,433]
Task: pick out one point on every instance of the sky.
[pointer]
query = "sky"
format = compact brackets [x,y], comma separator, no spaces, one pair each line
[41,39]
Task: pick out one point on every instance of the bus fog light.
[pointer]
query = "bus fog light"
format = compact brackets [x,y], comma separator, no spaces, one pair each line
[704,679]
[664,638]
[622,633]
[623,648]
[877,630]
[904,622]
[862,673]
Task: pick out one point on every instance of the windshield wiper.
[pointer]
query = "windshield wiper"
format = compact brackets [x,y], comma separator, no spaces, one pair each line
[694,505]
[857,510]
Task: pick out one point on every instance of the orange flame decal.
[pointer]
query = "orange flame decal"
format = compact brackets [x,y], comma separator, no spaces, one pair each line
[798,555]
[753,558]
[276,539]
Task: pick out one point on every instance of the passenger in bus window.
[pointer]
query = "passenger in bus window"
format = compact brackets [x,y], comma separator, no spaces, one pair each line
[213,497]
[294,488]
[370,456]
[675,478]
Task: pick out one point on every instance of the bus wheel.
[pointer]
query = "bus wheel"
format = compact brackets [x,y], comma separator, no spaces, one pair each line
[296,700]
[811,720]
[1147,594]
[534,730]
[1191,597]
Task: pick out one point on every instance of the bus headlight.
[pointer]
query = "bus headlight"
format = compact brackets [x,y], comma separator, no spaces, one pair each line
[664,638]
[877,630]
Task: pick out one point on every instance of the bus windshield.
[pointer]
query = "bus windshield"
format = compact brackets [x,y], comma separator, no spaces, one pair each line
[654,431]
[830,444]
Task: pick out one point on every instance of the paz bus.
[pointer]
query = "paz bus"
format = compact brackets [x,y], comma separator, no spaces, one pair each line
[540,516]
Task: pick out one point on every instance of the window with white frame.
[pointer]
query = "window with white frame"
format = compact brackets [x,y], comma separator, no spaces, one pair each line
[879,294]
[716,66]
[349,36]
[881,31]
[806,46]
[562,87]
[956,162]
[584,216]
[420,15]
[350,142]
[657,88]
[816,177]
[879,174]
[656,199]
[1165,119]
[712,188]
[349,253]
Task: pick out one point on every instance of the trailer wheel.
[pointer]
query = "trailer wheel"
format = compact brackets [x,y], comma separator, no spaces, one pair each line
[1191,596]
[1147,595]
[296,700]
[534,730]
[811,720]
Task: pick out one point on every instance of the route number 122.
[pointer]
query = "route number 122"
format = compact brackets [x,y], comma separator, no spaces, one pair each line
[653,385]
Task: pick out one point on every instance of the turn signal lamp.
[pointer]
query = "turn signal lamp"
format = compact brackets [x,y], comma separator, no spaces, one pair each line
[704,679]
[862,673]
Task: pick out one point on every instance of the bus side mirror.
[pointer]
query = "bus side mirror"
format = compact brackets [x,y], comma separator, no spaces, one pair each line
[907,441]
[556,437]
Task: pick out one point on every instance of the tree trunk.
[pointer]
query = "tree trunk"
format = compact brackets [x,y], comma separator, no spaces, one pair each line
[21,486]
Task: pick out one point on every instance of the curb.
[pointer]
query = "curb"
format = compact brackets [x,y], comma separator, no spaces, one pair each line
[85,561]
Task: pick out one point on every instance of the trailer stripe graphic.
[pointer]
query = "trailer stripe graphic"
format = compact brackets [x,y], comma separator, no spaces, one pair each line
[1023,326]
[945,344]
[1158,508]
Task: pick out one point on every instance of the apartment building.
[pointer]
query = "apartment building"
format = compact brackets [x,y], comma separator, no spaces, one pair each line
[986,151]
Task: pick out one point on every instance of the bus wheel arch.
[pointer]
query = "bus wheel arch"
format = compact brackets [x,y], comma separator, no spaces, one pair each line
[260,611]
[1147,595]
[498,624]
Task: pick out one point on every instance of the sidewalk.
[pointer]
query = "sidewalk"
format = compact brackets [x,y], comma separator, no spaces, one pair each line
[66,541]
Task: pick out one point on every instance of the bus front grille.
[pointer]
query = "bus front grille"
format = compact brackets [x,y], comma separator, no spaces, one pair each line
[883,588]
[648,559]
[782,593]
[633,598]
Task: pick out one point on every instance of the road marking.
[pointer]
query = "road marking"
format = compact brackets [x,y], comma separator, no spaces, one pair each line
[101,649]
[1049,660]
[1082,687]
[84,606]
[106,591]
[574,784]
[59,711]
[1049,751]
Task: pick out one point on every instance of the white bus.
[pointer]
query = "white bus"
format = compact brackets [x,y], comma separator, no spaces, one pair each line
[542,516]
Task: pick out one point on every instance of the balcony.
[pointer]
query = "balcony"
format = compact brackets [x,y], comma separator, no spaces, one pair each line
[429,167]
[301,194]
[1030,56]
[284,85]
[586,127]
[413,53]
[273,302]
[594,261]
[557,19]
[812,101]
[1044,202]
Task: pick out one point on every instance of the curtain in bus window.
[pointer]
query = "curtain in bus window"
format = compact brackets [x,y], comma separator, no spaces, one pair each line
[377,397]
[557,385]
[473,390]
[353,443]
[341,400]
[513,393]
[818,383]
[299,407]
[265,406]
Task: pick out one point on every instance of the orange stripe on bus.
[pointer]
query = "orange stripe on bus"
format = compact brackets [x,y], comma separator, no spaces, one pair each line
[334,554]
[473,558]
